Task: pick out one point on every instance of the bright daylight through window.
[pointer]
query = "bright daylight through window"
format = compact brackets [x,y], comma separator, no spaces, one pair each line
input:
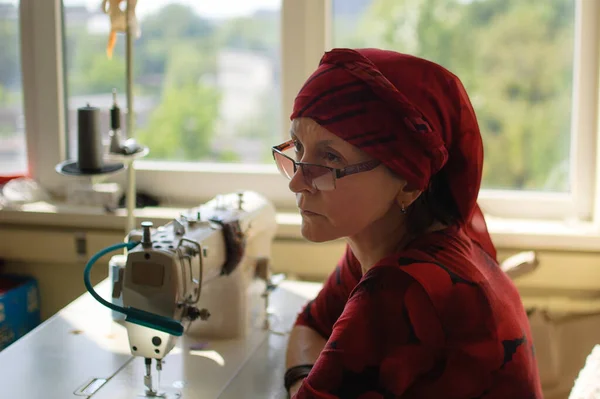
[514,57]
[206,76]
[13,151]
[212,81]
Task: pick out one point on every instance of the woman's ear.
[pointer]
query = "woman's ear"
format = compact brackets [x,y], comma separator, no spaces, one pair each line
[407,196]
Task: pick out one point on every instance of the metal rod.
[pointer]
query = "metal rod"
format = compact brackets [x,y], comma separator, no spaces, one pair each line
[131,191]
[130,197]
[129,72]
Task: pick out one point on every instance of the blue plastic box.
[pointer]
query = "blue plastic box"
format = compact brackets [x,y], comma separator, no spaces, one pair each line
[19,307]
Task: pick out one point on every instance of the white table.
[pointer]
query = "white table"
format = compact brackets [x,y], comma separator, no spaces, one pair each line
[82,343]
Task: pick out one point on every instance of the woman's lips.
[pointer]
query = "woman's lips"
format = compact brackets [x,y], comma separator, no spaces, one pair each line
[308,213]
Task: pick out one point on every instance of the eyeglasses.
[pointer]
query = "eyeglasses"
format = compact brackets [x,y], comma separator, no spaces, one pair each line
[318,176]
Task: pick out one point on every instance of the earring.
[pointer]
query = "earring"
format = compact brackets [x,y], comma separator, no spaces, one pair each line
[403,209]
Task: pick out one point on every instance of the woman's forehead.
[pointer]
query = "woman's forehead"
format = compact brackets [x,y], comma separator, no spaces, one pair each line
[310,134]
[309,130]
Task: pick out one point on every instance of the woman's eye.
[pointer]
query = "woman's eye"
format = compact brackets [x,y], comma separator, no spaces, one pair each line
[297,151]
[330,157]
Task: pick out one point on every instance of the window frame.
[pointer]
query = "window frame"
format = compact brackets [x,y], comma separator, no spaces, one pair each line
[306,34]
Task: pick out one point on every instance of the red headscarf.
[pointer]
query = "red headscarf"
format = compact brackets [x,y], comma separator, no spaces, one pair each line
[411,114]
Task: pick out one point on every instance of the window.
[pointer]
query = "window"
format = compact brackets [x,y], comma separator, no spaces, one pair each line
[519,62]
[210,126]
[206,77]
[515,59]
[13,150]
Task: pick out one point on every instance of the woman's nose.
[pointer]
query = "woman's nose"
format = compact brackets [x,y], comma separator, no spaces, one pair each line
[299,182]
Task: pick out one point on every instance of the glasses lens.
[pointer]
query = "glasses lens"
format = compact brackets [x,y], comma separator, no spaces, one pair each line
[320,176]
[284,164]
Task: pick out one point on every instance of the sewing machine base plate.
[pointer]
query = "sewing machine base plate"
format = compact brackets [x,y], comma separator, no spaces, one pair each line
[162,394]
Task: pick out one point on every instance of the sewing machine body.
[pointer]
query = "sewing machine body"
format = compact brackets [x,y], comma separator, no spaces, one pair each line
[207,269]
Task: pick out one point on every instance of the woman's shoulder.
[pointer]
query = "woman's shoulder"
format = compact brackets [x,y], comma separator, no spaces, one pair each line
[449,252]
[444,263]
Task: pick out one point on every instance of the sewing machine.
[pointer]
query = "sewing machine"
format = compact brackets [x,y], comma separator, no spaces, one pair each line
[205,274]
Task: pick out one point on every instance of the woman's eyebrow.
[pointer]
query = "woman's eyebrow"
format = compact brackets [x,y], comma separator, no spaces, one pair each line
[325,143]
[320,144]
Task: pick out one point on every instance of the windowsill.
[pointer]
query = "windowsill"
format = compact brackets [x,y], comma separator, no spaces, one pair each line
[506,233]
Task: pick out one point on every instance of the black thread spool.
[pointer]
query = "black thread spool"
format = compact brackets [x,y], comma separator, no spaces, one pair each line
[89,140]
[90,151]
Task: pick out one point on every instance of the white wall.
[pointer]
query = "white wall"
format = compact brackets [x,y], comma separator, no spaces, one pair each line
[50,255]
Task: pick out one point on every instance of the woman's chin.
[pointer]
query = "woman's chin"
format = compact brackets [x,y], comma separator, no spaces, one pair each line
[315,233]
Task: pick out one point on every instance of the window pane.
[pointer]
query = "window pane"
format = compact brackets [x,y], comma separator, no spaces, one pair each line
[206,76]
[514,57]
[13,151]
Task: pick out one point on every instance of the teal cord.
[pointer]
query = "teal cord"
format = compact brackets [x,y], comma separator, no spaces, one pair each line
[88,268]
[136,316]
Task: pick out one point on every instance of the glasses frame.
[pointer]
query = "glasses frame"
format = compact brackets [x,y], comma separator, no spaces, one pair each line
[337,173]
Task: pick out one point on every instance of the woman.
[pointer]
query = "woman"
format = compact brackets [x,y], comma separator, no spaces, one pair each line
[386,152]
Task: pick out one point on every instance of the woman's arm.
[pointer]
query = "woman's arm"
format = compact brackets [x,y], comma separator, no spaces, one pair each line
[315,323]
[304,347]
[321,313]
[388,335]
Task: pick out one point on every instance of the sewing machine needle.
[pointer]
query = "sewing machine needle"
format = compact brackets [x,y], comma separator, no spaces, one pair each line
[148,376]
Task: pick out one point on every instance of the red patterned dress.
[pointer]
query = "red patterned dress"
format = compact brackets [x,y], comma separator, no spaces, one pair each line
[437,320]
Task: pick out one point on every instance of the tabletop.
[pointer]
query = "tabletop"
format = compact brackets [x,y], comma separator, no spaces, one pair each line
[81,352]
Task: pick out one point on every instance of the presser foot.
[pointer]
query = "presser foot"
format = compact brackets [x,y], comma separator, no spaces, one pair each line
[158,391]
